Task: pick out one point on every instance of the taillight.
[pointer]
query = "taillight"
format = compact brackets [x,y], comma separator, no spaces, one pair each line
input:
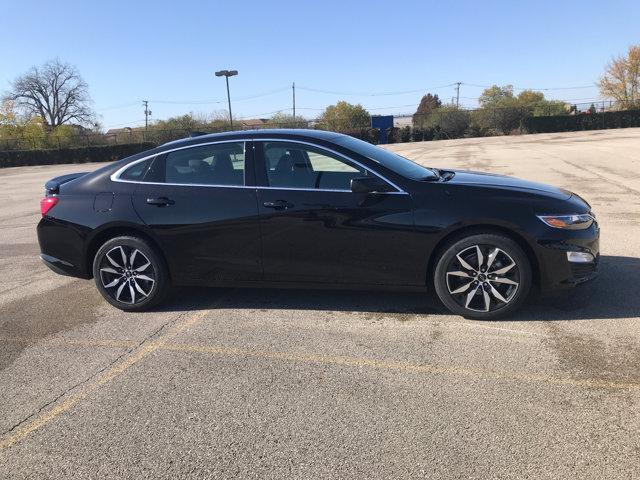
[47,203]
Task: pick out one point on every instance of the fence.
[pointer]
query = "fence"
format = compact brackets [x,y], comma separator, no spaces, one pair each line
[590,121]
[443,123]
[103,153]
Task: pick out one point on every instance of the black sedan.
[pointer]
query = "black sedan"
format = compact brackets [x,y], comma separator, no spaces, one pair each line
[300,208]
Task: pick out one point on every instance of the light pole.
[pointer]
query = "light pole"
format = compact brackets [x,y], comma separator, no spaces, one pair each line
[227,74]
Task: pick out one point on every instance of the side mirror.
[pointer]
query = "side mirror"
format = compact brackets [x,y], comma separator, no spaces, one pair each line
[369,185]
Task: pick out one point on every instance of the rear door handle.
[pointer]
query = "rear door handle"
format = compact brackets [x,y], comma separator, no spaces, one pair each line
[160,201]
[278,205]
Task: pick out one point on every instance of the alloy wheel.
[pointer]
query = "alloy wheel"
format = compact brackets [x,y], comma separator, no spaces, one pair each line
[127,274]
[482,278]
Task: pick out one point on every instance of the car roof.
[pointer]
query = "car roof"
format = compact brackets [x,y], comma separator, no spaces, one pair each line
[257,133]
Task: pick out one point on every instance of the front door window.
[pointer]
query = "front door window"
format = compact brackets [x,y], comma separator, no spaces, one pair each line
[293,165]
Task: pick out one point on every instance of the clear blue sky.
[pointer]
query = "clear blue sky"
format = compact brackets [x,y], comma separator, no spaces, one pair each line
[168,50]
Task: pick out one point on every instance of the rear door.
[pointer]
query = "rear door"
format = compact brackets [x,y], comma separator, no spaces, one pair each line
[315,229]
[198,205]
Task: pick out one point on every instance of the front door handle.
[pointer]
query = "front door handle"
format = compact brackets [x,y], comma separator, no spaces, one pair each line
[278,205]
[160,201]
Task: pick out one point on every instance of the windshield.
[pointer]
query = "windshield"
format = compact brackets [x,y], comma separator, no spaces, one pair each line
[392,161]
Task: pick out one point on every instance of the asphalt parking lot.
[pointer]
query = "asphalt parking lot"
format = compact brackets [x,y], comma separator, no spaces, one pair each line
[322,384]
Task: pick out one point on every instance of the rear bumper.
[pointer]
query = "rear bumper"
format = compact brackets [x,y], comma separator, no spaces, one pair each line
[59,266]
[61,247]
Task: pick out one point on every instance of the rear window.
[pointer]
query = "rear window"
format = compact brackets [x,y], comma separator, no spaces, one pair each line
[136,171]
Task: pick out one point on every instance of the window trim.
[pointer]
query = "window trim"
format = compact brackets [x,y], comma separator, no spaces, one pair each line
[115,177]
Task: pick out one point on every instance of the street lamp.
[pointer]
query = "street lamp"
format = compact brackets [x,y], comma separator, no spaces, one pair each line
[227,74]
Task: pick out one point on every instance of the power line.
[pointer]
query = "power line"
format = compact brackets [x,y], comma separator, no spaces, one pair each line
[258,115]
[532,88]
[115,107]
[209,102]
[124,123]
[374,94]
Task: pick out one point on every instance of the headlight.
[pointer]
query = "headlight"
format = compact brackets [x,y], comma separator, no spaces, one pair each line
[568,222]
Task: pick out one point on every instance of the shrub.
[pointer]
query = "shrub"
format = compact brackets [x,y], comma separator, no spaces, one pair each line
[417,134]
[368,134]
[19,158]
[583,121]
[393,134]
[405,134]
[448,122]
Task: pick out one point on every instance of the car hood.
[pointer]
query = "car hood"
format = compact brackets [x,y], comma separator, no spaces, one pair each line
[464,177]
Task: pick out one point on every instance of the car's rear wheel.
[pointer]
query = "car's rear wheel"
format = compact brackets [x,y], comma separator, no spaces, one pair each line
[130,274]
[483,276]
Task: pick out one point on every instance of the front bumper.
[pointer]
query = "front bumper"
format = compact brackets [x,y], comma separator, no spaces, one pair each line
[557,272]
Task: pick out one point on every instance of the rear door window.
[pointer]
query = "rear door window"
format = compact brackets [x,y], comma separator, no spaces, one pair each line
[217,164]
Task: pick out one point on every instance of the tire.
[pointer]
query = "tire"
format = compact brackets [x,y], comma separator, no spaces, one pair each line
[130,286]
[497,291]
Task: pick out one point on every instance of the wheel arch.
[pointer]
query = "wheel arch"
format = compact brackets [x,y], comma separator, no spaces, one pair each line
[466,230]
[105,234]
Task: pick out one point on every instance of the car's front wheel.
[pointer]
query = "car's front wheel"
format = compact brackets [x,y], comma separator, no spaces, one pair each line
[483,276]
[130,274]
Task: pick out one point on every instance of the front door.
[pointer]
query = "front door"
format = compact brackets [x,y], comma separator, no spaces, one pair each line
[315,229]
[195,201]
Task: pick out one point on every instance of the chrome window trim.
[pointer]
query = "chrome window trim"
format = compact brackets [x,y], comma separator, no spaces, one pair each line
[115,177]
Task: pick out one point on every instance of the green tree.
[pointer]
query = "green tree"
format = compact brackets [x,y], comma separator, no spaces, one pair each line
[8,120]
[502,112]
[535,104]
[187,123]
[428,104]
[449,121]
[344,116]
[286,120]
[495,96]
[549,108]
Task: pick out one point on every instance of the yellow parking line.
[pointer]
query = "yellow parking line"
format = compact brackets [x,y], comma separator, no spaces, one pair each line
[396,365]
[80,342]
[41,420]
[163,344]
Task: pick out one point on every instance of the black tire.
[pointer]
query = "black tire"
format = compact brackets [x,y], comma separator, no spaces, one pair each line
[464,291]
[130,287]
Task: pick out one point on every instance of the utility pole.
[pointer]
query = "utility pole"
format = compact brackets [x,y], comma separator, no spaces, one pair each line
[293,87]
[458,94]
[227,74]
[147,114]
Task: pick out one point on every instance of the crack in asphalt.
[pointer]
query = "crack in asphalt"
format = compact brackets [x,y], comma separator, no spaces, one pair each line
[79,384]
[625,188]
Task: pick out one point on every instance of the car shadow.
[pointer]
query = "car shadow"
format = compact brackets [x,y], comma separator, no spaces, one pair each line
[615,293]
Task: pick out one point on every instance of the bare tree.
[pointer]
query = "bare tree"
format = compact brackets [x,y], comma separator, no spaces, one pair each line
[621,79]
[55,92]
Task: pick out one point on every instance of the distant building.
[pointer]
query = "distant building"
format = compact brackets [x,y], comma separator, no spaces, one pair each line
[254,122]
[79,129]
[124,134]
[402,120]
